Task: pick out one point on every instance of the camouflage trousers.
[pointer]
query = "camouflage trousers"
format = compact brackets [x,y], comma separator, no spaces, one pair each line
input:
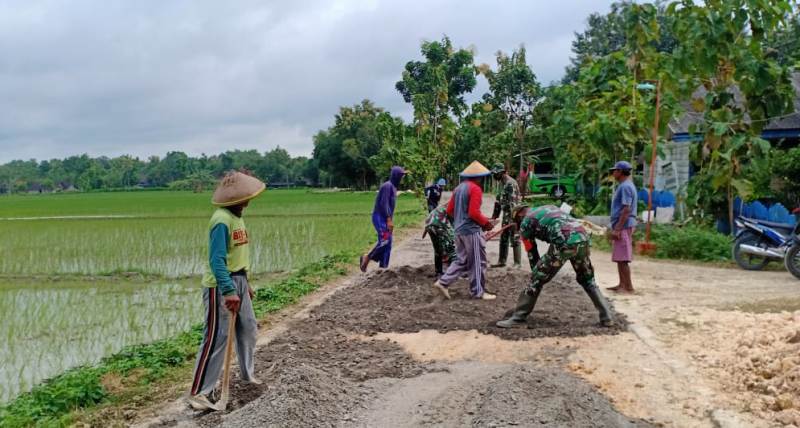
[444,247]
[509,237]
[545,268]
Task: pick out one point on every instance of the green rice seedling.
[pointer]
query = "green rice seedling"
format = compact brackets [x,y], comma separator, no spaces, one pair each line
[56,314]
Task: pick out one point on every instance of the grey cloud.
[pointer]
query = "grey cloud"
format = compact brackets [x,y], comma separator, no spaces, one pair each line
[147,77]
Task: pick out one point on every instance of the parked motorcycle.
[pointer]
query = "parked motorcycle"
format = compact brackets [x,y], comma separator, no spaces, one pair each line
[758,242]
[792,258]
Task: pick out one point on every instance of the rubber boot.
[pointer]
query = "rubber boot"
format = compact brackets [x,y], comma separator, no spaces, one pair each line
[437,263]
[525,305]
[517,256]
[606,319]
[503,255]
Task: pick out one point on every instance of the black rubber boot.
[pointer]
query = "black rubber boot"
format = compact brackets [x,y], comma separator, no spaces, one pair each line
[503,256]
[525,305]
[517,256]
[606,319]
[437,264]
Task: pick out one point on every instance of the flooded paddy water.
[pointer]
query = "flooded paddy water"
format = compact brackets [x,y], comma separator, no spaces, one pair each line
[51,326]
[82,276]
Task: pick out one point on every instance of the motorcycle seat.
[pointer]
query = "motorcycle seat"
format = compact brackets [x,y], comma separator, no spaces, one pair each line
[781,226]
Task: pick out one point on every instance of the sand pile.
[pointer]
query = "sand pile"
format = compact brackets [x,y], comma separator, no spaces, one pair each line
[756,356]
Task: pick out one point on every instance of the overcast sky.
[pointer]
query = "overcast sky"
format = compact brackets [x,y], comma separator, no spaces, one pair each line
[141,77]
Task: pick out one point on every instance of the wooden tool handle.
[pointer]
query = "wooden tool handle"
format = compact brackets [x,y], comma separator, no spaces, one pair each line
[226,374]
[491,235]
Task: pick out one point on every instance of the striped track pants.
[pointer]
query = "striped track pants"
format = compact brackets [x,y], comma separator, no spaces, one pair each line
[211,356]
[471,252]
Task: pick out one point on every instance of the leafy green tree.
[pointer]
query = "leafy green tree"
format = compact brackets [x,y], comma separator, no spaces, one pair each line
[345,150]
[783,44]
[785,180]
[722,50]
[606,34]
[435,87]
[602,117]
[514,90]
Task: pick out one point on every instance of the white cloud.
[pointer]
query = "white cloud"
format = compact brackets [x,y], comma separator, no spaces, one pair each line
[146,77]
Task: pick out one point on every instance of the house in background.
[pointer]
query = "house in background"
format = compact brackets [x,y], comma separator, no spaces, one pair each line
[674,169]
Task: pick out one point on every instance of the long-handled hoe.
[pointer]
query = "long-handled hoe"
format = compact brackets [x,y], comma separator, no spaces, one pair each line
[222,404]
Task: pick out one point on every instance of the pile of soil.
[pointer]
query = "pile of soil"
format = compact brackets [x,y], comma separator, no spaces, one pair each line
[307,371]
[755,355]
[402,301]
[302,396]
[545,396]
[322,373]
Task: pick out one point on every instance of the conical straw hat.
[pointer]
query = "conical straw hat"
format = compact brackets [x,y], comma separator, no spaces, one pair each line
[235,188]
[475,169]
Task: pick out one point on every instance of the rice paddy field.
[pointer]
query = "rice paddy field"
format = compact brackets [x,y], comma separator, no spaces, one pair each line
[84,275]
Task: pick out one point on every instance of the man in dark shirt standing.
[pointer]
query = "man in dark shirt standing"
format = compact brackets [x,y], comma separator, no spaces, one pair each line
[433,194]
[383,220]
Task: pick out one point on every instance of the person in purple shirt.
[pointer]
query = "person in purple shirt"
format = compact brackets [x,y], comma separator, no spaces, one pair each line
[382,219]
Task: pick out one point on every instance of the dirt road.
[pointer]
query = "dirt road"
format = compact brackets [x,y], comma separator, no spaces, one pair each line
[380,349]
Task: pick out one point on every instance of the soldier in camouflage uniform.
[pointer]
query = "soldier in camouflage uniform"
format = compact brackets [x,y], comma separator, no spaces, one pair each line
[507,198]
[440,228]
[568,241]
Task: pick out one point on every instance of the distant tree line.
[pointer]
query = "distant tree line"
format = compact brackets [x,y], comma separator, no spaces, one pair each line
[175,170]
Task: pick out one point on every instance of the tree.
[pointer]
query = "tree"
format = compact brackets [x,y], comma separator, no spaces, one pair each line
[606,34]
[435,88]
[514,90]
[722,50]
[345,149]
[783,44]
[602,117]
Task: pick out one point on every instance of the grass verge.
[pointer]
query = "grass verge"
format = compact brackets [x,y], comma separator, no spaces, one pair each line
[57,401]
[689,242]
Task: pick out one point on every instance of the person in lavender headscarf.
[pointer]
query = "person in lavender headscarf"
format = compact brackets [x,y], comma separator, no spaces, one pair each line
[382,219]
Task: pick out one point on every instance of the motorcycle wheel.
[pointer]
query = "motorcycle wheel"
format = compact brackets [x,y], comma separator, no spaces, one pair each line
[792,260]
[748,261]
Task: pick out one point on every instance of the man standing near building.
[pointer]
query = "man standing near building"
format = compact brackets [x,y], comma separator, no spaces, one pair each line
[226,288]
[433,194]
[440,228]
[383,220]
[508,197]
[623,222]
[568,241]
[465,209]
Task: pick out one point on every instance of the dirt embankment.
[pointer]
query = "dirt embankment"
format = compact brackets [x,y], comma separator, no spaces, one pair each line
[755,357]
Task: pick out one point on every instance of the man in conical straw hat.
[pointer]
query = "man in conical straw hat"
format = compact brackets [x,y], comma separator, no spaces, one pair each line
[226,290]
[464,208]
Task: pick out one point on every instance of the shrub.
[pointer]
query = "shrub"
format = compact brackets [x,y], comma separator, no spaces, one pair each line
[689,242]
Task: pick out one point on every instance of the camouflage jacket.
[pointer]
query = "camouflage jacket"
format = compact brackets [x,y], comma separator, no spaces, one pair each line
[438,220]
[508,196]
[549,224]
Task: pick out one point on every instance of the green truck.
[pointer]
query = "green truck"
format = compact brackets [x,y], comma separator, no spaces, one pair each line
[546,178]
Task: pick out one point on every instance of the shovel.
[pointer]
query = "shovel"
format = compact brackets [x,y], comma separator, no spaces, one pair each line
[491,235]
[222,404]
